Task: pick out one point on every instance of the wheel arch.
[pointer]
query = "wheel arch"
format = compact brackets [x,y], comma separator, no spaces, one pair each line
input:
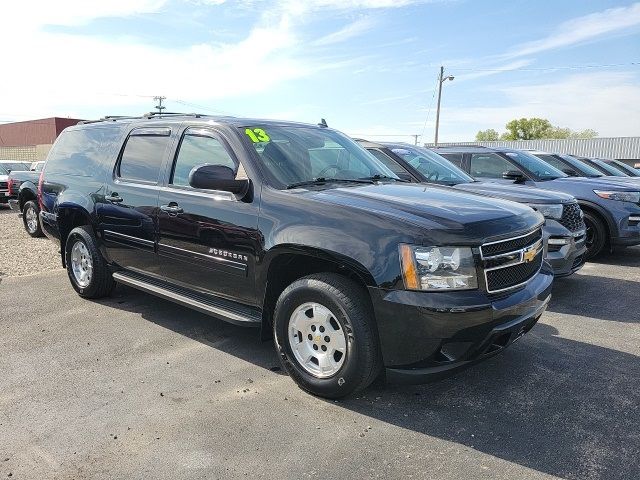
[285,264]
[602,213]
[70,217]
[28,191]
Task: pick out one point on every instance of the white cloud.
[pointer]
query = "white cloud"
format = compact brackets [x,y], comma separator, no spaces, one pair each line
[352,30]
[62,73]
[582,29]
[608,102]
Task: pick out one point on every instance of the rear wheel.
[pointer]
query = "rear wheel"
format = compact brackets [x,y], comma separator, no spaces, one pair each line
[31,220]
[325,336]
[596,235]
[87,270]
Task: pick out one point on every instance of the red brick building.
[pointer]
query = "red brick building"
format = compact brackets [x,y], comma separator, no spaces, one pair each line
[32,139]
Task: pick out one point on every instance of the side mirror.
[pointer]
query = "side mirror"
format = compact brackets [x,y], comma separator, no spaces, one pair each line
[217,177]
[570,171]
[513,175]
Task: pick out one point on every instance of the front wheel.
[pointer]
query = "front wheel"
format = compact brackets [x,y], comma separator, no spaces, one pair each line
[87,270]
[596,235]
[31,220]
[325,335]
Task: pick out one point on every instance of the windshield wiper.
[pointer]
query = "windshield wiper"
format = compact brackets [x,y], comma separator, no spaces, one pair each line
[377,176]
[324,180]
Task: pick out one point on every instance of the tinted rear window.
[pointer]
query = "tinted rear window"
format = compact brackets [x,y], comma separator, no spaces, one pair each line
[142,157]
[82,151]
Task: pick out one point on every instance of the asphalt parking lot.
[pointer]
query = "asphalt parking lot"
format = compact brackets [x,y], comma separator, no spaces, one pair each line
[137,387]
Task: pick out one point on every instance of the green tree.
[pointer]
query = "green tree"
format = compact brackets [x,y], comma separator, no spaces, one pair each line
[488,135]
[533,129]
[528,129]
[586,133]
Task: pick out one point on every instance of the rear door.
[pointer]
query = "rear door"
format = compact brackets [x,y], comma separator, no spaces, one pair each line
[128,214]
[207,239]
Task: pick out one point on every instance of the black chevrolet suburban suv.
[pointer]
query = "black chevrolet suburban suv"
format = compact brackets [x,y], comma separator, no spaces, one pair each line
[296,229]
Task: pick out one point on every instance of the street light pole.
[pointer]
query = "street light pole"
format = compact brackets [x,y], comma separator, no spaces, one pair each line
[441,80]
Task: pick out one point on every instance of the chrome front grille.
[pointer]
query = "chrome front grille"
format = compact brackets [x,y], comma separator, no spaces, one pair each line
[510,263]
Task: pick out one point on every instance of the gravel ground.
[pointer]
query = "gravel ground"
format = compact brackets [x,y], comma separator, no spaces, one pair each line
[136,387]
[21,254]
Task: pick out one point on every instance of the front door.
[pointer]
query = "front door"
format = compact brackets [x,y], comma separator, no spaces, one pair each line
[128,213]
[207,239]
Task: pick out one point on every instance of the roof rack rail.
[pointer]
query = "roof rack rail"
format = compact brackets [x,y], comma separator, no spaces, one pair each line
[171,114]
[113,118]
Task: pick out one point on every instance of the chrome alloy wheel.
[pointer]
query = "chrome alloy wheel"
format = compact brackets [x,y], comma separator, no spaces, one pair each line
[81,264]
[31,217]
[317,339]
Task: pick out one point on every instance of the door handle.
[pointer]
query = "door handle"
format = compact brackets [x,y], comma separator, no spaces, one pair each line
[115,198]
[172,208]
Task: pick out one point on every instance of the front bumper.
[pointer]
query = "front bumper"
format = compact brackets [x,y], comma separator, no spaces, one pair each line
[428,336]
[4,196]
[565,251]
[626,217]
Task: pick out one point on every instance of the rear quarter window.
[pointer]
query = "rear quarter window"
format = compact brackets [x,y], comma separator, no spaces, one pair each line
[82,152]
[142,157]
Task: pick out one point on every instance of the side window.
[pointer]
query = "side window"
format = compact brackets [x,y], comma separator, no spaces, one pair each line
[142,157]
[199,150]
[388,162]
[455,158]
[489,165]
[554,162]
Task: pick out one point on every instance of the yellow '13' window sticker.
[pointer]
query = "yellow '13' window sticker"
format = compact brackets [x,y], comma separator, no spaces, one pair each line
[257,135]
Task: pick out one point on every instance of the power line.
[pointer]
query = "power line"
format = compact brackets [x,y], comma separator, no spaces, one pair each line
[545,69]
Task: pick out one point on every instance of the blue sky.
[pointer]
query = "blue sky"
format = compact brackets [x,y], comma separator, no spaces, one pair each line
[368,66]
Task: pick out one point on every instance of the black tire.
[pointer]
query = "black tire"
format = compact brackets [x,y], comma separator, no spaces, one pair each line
[350,307]
[596,235]
[101,282]
[27,208]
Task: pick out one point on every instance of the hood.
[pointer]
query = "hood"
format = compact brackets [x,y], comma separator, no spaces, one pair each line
[516,193]
[597,183]
[461,217]
[632,181]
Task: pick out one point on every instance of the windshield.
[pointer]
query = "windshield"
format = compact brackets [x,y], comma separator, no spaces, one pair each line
[539,168]
[435,168]
[628,169]
[584,168]
[298,154]
[611,171]
[6,167]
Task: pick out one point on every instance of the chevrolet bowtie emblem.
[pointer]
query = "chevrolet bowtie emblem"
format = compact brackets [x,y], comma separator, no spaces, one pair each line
[529,255]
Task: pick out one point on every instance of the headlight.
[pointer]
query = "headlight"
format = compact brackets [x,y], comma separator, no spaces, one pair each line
[438,268]
[633,197]
[553,210]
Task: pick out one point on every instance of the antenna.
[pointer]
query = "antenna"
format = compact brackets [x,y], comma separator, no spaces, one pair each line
[323,123]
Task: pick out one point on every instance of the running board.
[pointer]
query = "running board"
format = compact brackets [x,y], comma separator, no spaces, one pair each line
[222,309]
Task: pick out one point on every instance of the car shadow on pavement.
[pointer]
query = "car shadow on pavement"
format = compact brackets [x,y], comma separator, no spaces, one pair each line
[555,405]
[548,403]
[624,257]
[603,298]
